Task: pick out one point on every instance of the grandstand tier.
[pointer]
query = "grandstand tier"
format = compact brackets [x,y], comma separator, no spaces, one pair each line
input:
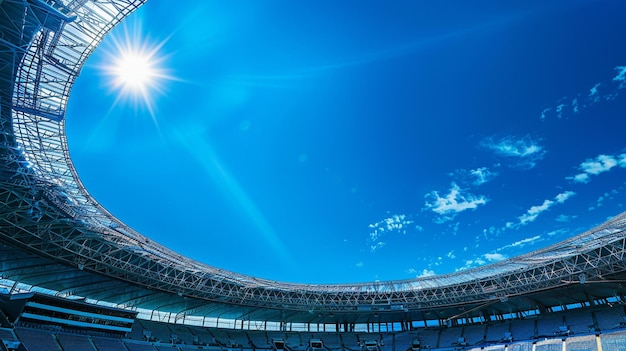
[46,337]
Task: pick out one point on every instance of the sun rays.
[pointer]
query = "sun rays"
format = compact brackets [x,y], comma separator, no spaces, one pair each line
[136,70]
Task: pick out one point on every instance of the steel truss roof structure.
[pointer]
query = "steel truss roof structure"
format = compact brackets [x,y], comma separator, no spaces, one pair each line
[66,241]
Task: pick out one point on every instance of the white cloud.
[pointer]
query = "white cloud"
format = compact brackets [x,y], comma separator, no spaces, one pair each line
[520,243]
[593,92]
[580,178]
[451,255]
[377,246]
[524,151]
[557,232]
[606,90]
[606,196]
[482,260]
[482,175]
[426,273]
[600,164]
[562,197]
[544,113]
[564,218]
[472,263]
[494,257]
[395,223]
[534,211]
[454,202]
[359,264]
[621,76]
[475,177]
[559,110]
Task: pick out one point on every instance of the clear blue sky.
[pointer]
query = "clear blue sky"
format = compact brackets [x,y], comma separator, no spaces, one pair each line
[346,141]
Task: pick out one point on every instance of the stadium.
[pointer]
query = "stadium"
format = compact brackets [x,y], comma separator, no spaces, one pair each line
[77,278]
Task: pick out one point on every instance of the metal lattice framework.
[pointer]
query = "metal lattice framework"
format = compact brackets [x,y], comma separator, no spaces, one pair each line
[47,213]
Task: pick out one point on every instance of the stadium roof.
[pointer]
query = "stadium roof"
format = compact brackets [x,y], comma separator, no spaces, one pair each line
[69,243]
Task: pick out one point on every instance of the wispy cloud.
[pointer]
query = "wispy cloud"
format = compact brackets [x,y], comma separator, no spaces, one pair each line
[605,90]
[424,273]
[565,218]
[600,164]
[534,211]
[520,243]
[379,245]
[455,201]
[475,262]
[398,223]
[559,110]
[395,223]
[494,257]
[482,175]
[593,92]
[609,195]
[558,232]
[475,177]
[523,152]
[621,76]
[490,257]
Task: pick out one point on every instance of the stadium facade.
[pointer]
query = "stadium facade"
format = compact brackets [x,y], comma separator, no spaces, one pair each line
[54,236]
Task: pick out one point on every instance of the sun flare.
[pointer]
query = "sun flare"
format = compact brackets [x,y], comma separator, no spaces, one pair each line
[135,72]
[135,68]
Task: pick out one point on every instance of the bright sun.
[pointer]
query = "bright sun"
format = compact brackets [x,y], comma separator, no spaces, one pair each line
[135,68]
[135,71]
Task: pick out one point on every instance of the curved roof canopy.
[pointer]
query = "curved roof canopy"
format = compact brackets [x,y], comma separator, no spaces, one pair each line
[72,244]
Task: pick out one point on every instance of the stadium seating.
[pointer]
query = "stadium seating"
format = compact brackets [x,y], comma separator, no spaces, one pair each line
[182,332]
[137,331]
[108,344]
[159,331]
[549,325]
[429,337]
[402,339]
[496,331]
[350,340]
[474,334]
[202,336]
[613,341]
[524,329]
[523,346]
[450,337]
[75,342]
[332,341]
[45,338]
[259,339]
[139,346]
[549,345]
[37,340]
[580,322]
[581,343]
[488,348]
[539,333]
[610,318]
[7,336]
